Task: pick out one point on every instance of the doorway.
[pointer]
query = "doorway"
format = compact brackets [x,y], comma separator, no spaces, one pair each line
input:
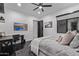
[37,29]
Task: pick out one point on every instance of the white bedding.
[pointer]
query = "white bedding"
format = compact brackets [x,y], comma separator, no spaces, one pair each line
[35,44]
[52,48]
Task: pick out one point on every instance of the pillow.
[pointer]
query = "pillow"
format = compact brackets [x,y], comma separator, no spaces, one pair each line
[67,38]
[75,42]
[59,39]
[74,32]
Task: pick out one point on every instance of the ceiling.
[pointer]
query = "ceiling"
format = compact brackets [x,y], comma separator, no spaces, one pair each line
[27,8]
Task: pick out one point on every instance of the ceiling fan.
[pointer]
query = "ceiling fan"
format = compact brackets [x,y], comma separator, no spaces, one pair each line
[40,6]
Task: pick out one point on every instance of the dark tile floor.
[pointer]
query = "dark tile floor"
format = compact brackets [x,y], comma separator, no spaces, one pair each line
[25,51]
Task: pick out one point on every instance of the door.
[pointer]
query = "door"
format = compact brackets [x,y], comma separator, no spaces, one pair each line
[40,28]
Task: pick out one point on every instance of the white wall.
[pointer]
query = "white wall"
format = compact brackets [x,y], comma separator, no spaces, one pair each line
[11,17]
[50,31]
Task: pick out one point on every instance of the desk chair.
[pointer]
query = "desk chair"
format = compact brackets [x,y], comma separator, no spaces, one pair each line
[6,48]
[16,37]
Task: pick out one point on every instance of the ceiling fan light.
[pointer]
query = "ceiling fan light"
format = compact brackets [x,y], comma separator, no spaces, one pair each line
[19,4]
[39,12]
[40,7]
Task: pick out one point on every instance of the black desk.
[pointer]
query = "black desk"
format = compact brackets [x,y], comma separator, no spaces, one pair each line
[6,46]
[6,42]
[6,37]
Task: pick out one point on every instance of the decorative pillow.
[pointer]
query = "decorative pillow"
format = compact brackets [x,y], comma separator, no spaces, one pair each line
[67,38]
[75,42]
[59,39]
[74,32]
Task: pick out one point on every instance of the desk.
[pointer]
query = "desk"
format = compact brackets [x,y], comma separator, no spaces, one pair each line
[5,40]
[6,47]
[6,37]
[7,44]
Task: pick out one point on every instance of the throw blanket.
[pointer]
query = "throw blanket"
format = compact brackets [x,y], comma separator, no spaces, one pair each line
[35,44]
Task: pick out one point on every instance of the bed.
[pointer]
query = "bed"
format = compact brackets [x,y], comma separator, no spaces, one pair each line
[50,47]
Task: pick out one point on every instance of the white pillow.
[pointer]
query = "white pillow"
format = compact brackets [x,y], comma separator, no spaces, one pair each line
[75,42]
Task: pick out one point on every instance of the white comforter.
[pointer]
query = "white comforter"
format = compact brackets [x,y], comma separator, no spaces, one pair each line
[35,46]
[52,48]
[36,43]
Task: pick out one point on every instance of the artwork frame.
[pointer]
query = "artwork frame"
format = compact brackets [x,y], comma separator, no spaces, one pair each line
[2,8]
[18,26]
[2,20]
[48,24]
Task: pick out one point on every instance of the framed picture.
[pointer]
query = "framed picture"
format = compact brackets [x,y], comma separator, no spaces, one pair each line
[1,7]
[2,20]
[20,26]
[48,24]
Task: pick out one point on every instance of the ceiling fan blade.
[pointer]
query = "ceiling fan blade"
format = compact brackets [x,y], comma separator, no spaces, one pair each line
[42,10]
[35,8]
[46,5]
[35,4]
[40,4]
